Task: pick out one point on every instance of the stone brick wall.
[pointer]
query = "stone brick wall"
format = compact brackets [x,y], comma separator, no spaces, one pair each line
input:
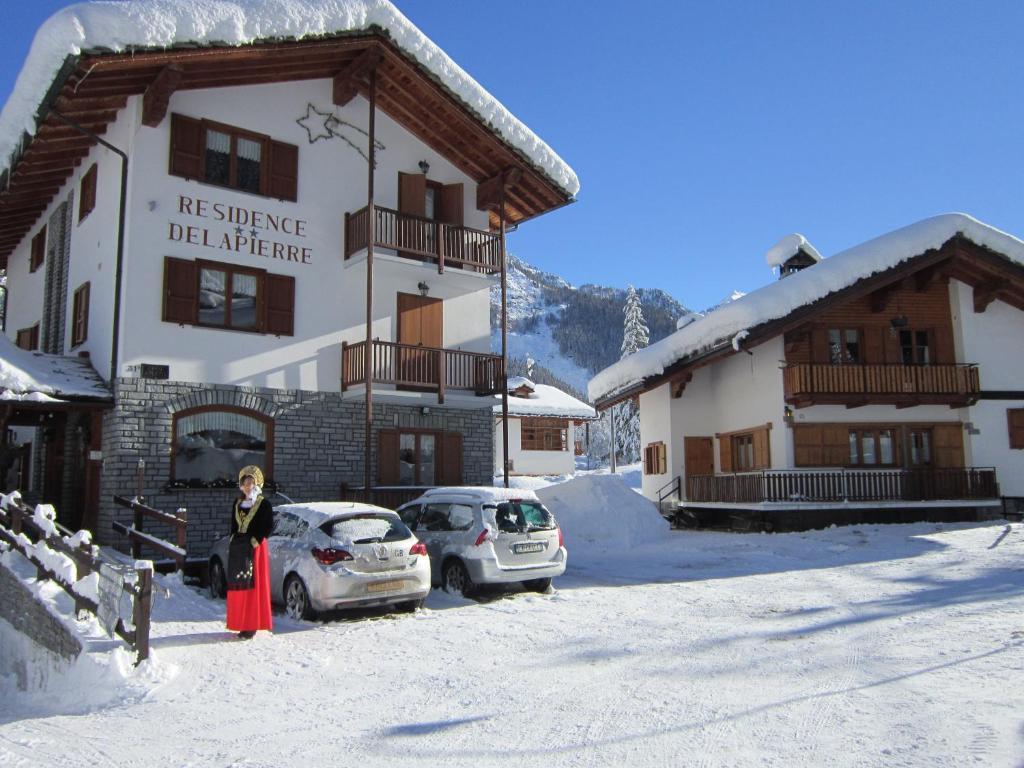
[318,445]
[20,609]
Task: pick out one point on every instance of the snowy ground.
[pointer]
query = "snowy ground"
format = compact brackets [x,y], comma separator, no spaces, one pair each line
[861,646]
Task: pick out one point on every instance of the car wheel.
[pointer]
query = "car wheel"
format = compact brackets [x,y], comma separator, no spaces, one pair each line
[296,599]
[409,606]
[218,581]
[456,579]
[537,585]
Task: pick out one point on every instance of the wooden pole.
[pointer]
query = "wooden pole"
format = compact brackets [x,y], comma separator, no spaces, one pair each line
[503,378]
[370,237]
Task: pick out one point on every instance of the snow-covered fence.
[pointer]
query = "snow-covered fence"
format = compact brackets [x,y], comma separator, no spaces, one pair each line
[72,562]
[138,537]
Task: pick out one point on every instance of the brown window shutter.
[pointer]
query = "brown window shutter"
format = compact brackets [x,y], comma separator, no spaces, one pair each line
[725,453]
[835,441]
[807,445]
[648,461]
[874,346]
[24,338]
[33,337]
[181,289]
[284,171]
[80,315]
[942,345]
[38,253]
[280,305]
[451,204]
[412,193]
[1015,422]
[186,147]
[762,449]
[948,446]
[387,457]
[662,454]
[87,197]
[451,458]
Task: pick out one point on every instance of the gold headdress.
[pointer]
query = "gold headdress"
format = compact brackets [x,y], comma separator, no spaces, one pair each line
[253,471]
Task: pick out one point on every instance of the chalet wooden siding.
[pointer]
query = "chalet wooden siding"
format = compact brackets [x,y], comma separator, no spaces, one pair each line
[654,458]
[927,309]
[835,445]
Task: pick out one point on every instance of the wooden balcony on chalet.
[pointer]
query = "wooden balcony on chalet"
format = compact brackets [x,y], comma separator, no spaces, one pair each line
[422,239]
[845,485]
[900,385]
[425,369]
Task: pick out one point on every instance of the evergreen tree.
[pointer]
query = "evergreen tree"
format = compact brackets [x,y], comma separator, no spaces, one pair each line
[635,336]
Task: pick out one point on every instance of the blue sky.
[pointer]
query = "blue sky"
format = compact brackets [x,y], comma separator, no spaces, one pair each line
[703,133]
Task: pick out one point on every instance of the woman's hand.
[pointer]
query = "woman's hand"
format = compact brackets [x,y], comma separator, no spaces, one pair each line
[254,542]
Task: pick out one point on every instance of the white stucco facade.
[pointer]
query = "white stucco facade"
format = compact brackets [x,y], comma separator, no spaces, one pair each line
[170,216]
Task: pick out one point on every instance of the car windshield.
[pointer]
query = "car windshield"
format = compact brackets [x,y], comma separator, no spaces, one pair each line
[513,516]
[366,529]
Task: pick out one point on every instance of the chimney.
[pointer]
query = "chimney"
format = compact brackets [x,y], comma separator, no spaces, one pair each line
[791,254]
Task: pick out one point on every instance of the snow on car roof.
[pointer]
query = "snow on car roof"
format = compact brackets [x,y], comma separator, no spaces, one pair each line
[483,492]
[317,512]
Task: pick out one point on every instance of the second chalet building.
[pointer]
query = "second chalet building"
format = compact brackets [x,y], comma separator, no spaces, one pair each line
[187,206]
[884,383]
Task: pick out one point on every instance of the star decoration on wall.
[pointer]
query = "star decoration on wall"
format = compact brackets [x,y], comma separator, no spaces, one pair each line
[326,125]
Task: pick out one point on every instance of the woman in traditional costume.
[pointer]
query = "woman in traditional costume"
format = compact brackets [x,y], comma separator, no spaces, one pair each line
[252,519]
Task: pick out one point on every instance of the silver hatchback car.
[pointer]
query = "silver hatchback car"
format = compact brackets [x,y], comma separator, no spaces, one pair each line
[482,535]
[330,555]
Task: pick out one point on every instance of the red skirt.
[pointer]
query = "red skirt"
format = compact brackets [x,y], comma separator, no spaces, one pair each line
[249,609]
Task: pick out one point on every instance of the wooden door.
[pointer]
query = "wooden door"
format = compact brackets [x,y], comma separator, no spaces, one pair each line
[699,456]
[420,324]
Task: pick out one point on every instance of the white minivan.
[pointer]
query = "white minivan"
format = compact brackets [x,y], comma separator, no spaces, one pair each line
[483,535]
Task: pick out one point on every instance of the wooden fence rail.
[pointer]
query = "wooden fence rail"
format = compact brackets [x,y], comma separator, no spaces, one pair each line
[137,536]
[845,485]
[17,520]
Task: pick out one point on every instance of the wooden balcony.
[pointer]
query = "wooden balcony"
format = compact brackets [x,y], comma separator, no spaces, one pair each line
[906,385]
[424,239]
[857,485]
[426,369]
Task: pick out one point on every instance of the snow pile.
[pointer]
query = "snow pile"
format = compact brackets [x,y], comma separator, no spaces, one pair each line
[120,26]
[787,248]
[34,376]
[599,513]
[780,298]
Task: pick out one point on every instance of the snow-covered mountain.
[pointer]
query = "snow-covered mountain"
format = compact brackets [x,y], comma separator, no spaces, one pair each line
[571,331]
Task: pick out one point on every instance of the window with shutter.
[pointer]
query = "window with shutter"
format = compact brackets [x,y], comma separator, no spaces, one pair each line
[654,459]
[87,197]
[744,450]
[233,157]
[218,295]
[80,315]
[1015,422]
[38,252]
[419,457]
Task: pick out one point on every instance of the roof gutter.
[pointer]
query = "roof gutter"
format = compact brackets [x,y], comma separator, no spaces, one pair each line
[119,263]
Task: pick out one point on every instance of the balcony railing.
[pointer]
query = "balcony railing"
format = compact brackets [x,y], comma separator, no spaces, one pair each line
[881,383]
[429,369]
[845,485]
[421,238]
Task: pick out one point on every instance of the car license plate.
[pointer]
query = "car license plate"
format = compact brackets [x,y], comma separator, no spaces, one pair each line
[528,546]
[385,586]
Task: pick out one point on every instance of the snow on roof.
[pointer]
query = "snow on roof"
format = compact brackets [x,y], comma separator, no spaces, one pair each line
[515,382]
[788,247]
[317,512]
[780,298]
[546,400]
[118,26]
[34,377]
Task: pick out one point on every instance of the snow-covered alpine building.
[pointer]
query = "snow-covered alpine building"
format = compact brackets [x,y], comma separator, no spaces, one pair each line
[882,383]
[185,204]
